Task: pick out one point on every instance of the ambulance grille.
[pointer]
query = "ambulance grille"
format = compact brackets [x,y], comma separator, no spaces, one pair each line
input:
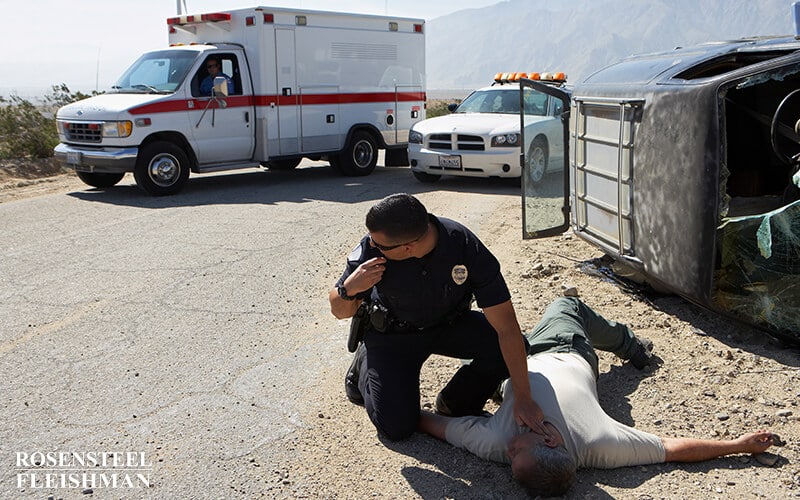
[84,132]
[456,142]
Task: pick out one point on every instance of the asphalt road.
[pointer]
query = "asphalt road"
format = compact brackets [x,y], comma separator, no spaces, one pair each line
[187,331]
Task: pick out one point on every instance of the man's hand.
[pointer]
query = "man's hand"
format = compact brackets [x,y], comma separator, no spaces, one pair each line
[362,279]
[528,413]
[367,275]
[755,442]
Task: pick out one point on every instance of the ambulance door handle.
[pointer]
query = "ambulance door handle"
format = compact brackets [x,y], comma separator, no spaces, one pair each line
[247,117]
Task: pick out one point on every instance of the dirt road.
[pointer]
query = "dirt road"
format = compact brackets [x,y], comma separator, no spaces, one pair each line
[714,378]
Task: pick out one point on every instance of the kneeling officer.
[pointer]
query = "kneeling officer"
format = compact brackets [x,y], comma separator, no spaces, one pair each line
[419,274]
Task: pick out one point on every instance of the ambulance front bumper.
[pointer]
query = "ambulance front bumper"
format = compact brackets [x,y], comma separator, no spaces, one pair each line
[98,160]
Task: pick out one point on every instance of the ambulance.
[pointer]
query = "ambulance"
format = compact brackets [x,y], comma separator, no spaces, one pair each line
[294,84]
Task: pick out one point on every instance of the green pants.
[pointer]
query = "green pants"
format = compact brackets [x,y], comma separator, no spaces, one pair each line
[569,325]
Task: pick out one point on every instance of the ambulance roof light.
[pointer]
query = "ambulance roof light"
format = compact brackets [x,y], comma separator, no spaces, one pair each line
[201,18]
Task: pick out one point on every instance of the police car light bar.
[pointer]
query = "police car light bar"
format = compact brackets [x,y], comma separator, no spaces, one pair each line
[557,77]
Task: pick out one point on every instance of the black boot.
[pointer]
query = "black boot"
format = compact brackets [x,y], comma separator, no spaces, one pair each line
[644,353]
[351,379]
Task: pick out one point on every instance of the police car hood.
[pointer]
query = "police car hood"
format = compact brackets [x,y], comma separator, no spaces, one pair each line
[475,123]
[111,106]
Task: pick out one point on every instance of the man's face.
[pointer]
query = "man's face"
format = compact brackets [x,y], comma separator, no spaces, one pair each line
[522,443]
[394,250]
[212,67]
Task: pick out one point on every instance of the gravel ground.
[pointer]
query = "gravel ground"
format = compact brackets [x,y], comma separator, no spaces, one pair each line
[713,379]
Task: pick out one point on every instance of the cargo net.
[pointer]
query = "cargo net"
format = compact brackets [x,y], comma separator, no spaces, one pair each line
[758,277]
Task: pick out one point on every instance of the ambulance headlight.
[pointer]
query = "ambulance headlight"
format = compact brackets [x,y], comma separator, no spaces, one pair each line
[117,129]
[505,140]
[414,137]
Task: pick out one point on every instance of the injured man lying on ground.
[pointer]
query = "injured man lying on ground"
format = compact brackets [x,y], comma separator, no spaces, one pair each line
[563,369]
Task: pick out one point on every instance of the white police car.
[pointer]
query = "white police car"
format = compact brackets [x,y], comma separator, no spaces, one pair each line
[481,137]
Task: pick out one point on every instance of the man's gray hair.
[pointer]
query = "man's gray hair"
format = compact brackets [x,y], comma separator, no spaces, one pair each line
[548,472]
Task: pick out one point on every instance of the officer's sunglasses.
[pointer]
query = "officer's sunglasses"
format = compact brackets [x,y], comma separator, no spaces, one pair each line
[386,248]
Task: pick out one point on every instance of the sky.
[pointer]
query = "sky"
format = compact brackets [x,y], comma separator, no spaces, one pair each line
[87,44]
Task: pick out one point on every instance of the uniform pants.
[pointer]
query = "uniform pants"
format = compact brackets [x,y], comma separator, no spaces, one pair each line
[389,375]
[569,325]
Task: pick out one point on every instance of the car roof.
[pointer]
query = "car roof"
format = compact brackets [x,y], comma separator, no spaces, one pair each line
[690,62]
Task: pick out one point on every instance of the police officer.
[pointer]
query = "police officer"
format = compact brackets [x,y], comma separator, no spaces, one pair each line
[419,274]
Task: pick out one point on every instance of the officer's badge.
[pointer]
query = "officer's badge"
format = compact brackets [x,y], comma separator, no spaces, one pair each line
[459,274]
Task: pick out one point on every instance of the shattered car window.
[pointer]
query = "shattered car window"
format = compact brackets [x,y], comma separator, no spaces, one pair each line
[760,262]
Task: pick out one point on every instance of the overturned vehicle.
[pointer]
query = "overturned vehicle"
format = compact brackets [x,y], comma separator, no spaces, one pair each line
[683,167]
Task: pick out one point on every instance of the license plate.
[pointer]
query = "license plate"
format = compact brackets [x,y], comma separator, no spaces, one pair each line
[73,158]
[451,161]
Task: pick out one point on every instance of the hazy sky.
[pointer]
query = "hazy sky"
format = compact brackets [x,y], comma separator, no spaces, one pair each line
[89,43]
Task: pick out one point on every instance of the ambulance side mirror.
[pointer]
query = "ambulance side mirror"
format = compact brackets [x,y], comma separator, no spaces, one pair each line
[221,86]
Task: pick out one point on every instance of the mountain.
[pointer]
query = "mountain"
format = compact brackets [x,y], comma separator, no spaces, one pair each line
[465,49]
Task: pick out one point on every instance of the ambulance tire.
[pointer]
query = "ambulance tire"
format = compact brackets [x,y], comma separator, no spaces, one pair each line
[283,164]
[360,156]
[537,161]
[100,180]
[162,169]
[426,177]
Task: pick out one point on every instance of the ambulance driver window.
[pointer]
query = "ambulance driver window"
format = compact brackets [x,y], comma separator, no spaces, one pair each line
[217,65]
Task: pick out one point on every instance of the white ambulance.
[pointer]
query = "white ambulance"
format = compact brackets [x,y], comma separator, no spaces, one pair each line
[294,84]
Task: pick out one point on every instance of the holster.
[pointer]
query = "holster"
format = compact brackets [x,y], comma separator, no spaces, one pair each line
[358,324]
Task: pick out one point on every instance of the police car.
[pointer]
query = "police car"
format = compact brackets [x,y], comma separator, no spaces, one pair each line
[481,137]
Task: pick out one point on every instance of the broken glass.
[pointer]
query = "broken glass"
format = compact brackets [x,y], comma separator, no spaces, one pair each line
[758,278]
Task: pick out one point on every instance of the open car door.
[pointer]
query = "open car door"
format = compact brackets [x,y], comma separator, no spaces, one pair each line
[544,159]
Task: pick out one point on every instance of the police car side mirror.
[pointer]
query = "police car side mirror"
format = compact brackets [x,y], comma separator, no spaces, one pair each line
[452,106]
[220,86]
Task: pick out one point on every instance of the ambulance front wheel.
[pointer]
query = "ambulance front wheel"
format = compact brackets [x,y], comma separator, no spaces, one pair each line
[161,169]
[100,180]
[360,156]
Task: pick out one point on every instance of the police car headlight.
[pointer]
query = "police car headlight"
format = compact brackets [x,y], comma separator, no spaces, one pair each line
[117,129]
[505,140]
[414,137]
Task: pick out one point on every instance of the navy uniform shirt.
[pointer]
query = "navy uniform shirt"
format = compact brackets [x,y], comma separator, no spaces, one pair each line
[426,291]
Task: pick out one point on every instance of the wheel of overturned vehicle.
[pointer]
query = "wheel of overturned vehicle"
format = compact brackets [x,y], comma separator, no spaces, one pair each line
[283,164]
[360,156]
[100,180]
[789,133]
[536,161]
[426,177]
[161,169]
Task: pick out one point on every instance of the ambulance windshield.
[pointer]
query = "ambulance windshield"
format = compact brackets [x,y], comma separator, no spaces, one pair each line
[156,72]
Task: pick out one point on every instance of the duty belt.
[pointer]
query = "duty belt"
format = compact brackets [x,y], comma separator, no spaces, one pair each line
[383,321]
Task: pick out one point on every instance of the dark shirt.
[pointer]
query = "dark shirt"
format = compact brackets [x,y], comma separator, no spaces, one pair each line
[426,291]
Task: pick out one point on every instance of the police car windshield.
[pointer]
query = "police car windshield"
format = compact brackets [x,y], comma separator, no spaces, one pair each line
[504,101]
[156,72]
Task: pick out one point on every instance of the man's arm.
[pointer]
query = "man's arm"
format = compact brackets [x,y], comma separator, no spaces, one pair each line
[433,424]
[504,320]
[697,450]
[364,277]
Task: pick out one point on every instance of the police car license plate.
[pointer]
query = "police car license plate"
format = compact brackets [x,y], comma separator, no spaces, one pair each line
[450,161]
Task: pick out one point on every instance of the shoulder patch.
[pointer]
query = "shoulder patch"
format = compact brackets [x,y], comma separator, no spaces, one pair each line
[356,254]
[459,274]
